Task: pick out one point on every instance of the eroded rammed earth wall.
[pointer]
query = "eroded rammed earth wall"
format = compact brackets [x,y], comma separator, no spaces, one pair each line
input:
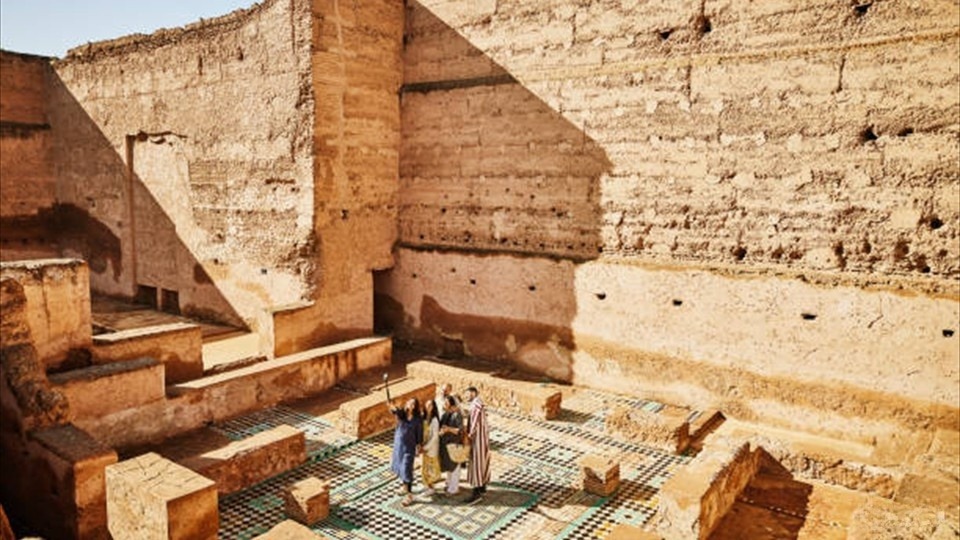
[750,205]
[357,71]
[26,170]
[187,153]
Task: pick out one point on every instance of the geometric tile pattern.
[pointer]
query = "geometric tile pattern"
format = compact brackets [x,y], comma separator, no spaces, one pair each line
[321,437]
[534,491]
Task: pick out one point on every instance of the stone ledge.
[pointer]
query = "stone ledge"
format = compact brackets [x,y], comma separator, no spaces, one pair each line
[242,463]
[667,429]
[96,391]
[137,333]
[531,398]
[369,415]
[695,499]
[179,346]
[318,354]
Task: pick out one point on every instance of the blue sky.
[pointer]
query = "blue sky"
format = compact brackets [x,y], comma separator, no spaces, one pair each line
[50,27]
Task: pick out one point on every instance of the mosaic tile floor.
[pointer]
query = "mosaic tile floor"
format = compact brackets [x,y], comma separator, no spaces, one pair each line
[534,493]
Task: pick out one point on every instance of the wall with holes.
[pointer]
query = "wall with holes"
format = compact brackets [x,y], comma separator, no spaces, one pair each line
[759,192]
[185,161]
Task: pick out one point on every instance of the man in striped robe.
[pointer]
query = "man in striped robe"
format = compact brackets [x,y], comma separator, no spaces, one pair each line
[478,473]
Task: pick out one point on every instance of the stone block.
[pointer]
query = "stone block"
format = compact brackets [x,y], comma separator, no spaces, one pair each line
[624,531]
[150,497]
[179,346]
[288,530]
[533,398]
[369,415]
[696,498]
[58,305]
[97,391]
[243,463]
[600,474]
[58,488]
[667,429]
[307,501]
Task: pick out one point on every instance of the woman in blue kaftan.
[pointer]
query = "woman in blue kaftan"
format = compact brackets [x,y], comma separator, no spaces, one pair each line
[407,440]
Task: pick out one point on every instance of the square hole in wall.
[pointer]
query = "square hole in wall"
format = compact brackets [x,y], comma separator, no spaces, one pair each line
[146,295]
[170,301]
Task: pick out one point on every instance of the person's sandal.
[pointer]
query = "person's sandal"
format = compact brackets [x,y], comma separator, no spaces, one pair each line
[407,501]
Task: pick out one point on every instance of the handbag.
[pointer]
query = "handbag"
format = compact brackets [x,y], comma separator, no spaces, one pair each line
[459,453]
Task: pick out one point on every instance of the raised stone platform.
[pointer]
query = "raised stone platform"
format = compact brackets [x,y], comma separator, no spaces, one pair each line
[243,463]
[152,498]
[369,415]
[97,391]
[178,346]
[536,399]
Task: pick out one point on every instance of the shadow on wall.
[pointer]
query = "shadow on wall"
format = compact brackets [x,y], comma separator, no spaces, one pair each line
[108,216]
[499,202]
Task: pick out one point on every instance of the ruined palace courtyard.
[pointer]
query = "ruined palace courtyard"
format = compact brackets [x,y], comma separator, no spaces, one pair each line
[701,258]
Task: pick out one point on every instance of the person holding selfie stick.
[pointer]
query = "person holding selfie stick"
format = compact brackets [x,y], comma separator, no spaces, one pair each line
[407,441]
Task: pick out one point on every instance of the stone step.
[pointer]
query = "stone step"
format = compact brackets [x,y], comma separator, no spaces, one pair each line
[177,345]
[97,391]
[241,464]
[217,369]
[236,346]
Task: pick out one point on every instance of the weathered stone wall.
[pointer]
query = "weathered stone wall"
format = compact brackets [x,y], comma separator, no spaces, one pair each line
[26,170]
[357,71]
[187,154]
[749,205]
[57,307]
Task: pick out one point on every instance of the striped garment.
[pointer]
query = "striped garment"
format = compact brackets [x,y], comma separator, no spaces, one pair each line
[478,472]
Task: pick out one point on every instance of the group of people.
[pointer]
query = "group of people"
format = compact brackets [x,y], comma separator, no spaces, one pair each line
[422,430]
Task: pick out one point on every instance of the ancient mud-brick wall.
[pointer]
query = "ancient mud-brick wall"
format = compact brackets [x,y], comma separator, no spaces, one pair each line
[26,171]
[185,158]
[748,205]
[357,71]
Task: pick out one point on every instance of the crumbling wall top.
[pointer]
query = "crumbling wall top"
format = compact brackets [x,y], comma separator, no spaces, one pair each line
[203,29]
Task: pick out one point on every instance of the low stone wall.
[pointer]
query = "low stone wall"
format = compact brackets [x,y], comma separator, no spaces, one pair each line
[536,399]
[243,463]
[695,499]
[152,498]
[194,403]
[667,429]
[53,479]
[100,390]
[369,415]
[179,346]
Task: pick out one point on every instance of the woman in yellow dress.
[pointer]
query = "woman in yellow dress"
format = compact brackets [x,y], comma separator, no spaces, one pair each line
[430,462]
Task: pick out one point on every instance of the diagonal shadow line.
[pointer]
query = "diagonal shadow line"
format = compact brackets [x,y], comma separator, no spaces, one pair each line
[106,242]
